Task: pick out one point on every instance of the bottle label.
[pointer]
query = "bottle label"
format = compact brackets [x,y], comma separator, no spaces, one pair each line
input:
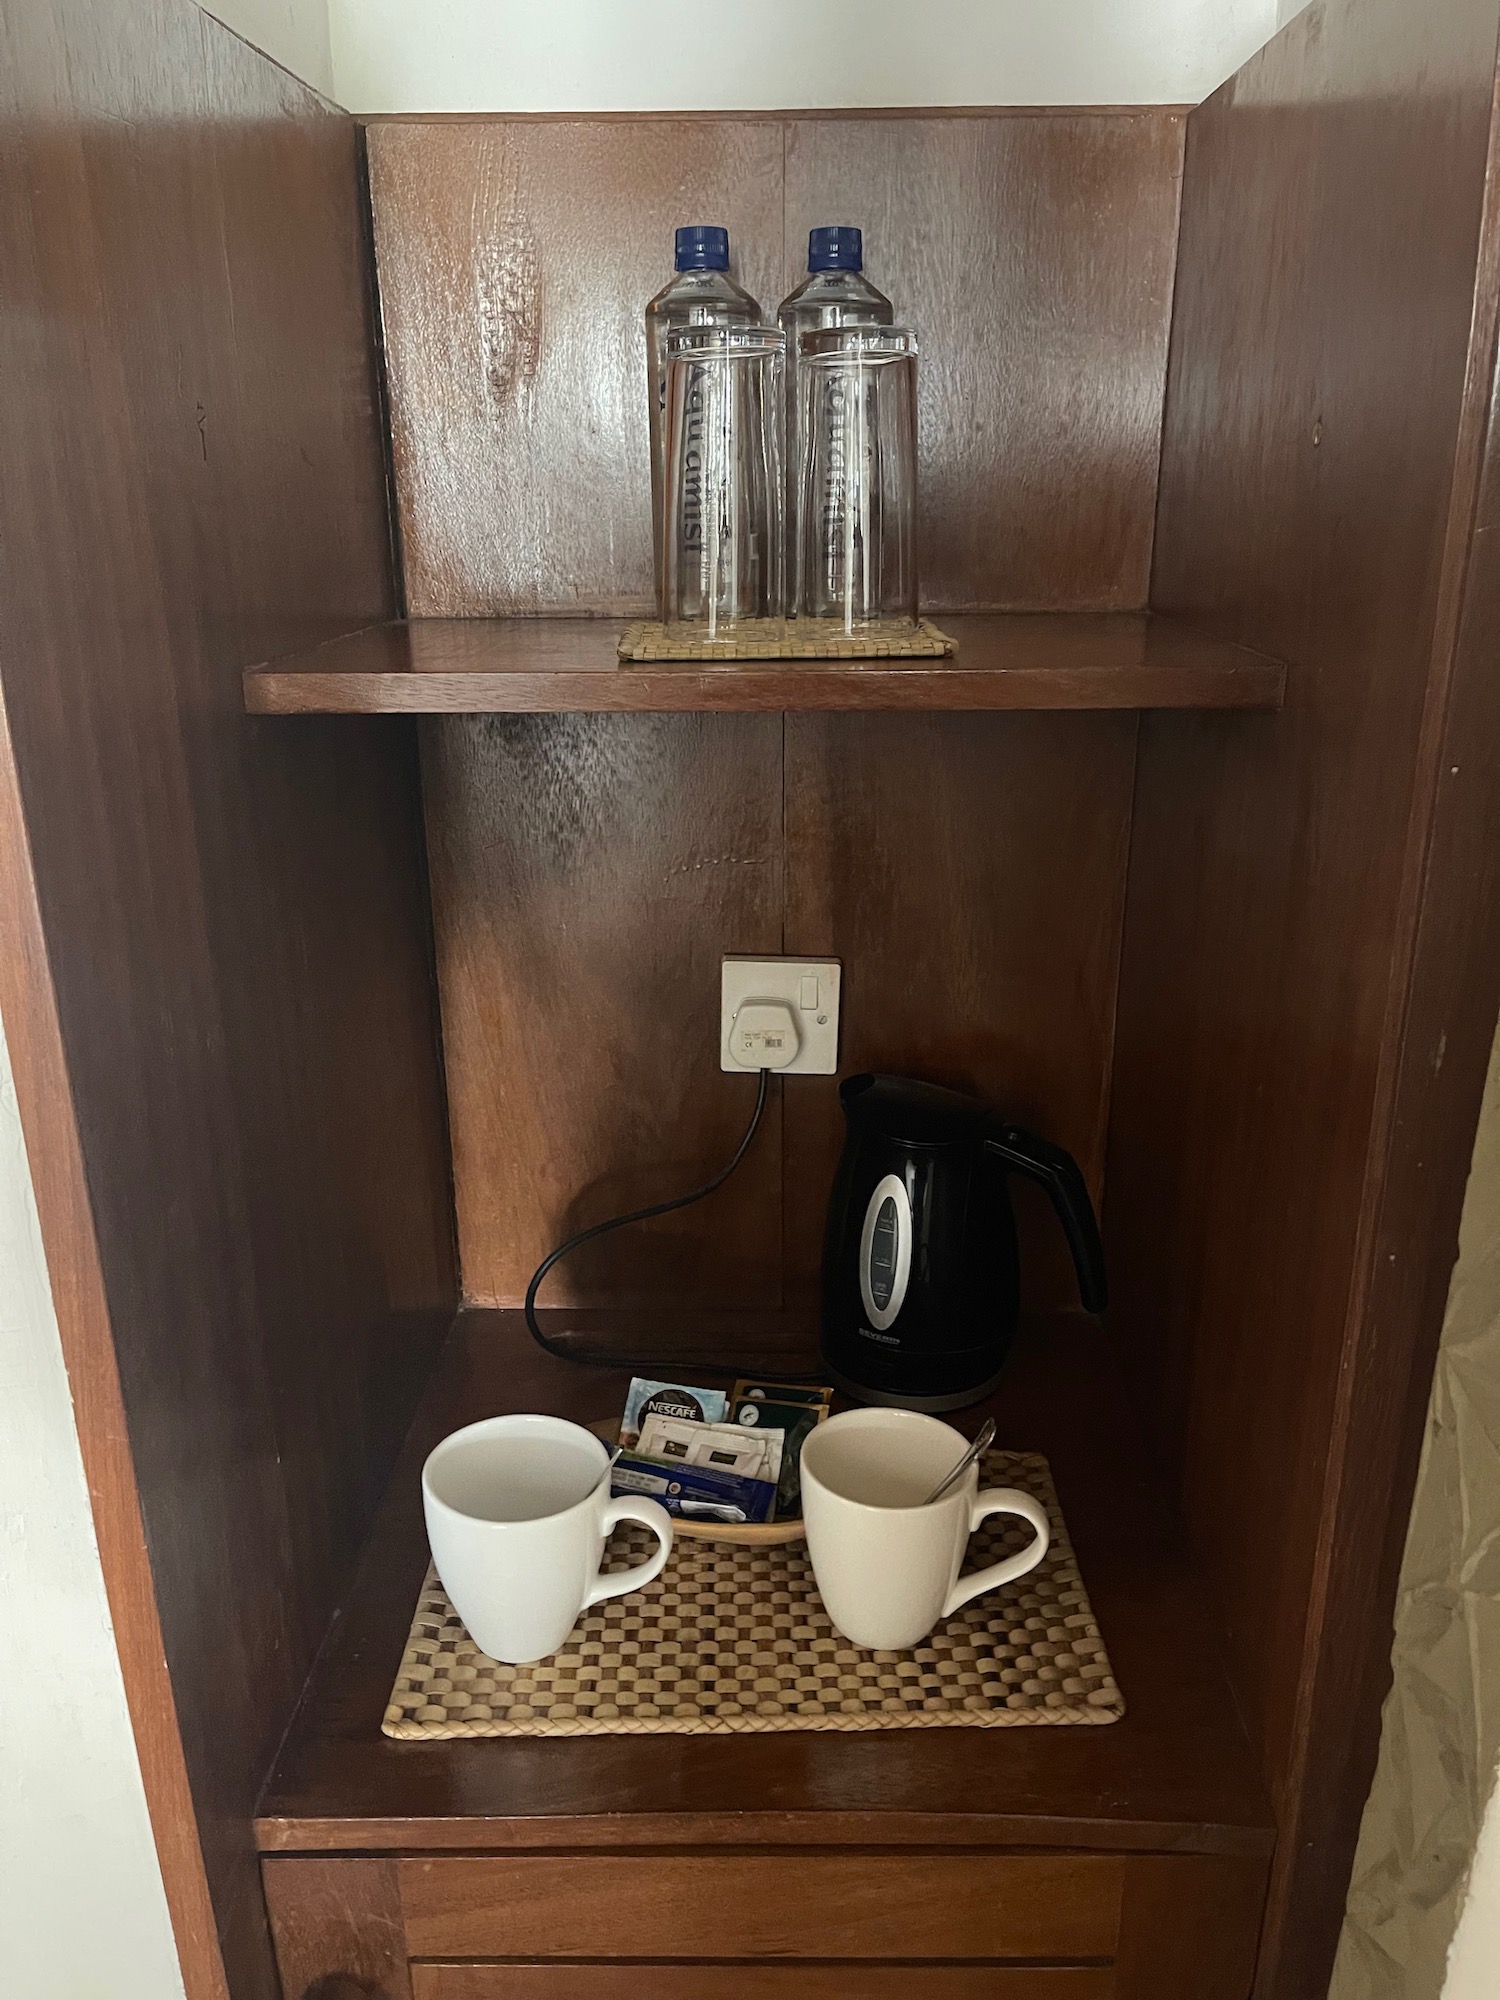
[692,461]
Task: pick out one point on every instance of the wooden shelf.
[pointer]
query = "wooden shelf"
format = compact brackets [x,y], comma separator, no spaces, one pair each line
[1175,1774]
[466,666]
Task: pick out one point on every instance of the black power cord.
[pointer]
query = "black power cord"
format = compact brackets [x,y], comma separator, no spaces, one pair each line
[623,1221]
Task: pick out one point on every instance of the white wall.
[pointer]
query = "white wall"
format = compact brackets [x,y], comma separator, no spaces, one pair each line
[292,32]
[82,1912]
[626,55]
[1474,1961]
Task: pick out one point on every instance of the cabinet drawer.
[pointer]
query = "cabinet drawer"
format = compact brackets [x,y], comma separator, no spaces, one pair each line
[759,1982]
[737,1906]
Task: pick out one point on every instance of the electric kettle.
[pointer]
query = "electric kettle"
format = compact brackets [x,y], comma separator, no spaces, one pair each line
[921,1279]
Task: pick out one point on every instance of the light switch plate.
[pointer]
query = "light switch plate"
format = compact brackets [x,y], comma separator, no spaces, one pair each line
[810,987]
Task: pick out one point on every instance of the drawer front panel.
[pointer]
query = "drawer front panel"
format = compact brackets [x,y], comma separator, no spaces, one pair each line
[759,1982]
[763,1906]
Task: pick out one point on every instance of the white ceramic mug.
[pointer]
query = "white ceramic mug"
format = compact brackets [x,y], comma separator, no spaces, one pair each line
[886,1565]
[518,1512]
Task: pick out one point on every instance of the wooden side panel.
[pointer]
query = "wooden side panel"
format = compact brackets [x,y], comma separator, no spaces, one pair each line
[1033,254]
[1329,377]
[779,1906]
[233,916]
[589,874]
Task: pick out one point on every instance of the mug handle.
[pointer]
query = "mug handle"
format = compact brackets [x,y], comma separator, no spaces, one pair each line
[1002,1500]
[650,1515]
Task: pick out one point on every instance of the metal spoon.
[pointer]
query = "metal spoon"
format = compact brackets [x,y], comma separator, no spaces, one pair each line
[981,1443]
[609,1468]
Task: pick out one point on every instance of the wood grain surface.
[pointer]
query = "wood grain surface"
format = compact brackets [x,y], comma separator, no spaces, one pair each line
[1032,253]
[794,1981]
[1034,257]
[530,665]
[338,1928]
[969,872]
[765,1905]
[581,1000]
[587,875]
[1175,1776]
[515,262]
[1311,969]
[232,916]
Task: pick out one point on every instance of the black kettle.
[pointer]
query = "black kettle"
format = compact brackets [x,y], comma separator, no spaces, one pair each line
[921,1280]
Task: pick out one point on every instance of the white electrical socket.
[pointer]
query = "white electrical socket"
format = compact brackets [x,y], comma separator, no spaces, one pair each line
[809,988]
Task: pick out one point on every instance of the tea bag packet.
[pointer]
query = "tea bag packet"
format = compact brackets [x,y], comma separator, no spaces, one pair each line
[757,1408]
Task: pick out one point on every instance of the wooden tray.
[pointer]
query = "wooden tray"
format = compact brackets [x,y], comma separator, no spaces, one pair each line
[753,1535]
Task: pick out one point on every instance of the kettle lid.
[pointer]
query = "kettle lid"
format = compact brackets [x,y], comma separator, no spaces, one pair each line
[918,1114]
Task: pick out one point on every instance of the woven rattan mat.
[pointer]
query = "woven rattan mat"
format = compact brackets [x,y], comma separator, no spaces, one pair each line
[794,639]
[730,1639]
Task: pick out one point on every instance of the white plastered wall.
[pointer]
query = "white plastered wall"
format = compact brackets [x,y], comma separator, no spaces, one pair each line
[293,33]
[82,1912]
[665,55]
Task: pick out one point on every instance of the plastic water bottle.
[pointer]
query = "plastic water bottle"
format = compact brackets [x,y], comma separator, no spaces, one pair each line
[835,292]
[701,294]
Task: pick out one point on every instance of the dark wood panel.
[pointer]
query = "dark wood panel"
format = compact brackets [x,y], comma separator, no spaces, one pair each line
[969,872]
[1174,1775]
[764,1905]
[233,915]
[1033,254]
[516,259]
[1189,1929]
[338,1928]
[588,875]
[598,1981]
[463,666]
[34,1041]
[1269,1182]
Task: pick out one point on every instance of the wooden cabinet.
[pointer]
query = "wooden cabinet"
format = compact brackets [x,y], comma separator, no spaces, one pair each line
[762,1982]
[734,1905]
[349,959]
[952,1926]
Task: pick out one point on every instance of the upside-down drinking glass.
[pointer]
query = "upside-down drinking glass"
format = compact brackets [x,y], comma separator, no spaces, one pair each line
[854,538]
[723,538]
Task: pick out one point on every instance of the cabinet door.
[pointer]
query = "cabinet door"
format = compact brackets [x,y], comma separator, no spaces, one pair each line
[539,1981]
[766,1926]
[763,1906]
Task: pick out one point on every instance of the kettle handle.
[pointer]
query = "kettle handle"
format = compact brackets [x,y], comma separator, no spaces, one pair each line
[1058,1173]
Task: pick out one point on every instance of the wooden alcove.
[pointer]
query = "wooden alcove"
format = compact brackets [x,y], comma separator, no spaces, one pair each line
[1189,858]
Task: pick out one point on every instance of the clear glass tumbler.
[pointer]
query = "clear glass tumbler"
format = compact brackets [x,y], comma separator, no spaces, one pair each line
[723,542]
[855,533]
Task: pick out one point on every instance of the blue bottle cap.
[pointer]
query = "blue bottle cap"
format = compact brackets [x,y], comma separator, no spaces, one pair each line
[702,247]
[838,248]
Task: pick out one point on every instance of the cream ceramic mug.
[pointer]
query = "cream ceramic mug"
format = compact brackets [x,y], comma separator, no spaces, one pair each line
[886,1565]
[518,1512]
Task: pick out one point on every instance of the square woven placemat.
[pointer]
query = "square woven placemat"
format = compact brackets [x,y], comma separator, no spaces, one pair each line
[729,1639]
[787,639]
